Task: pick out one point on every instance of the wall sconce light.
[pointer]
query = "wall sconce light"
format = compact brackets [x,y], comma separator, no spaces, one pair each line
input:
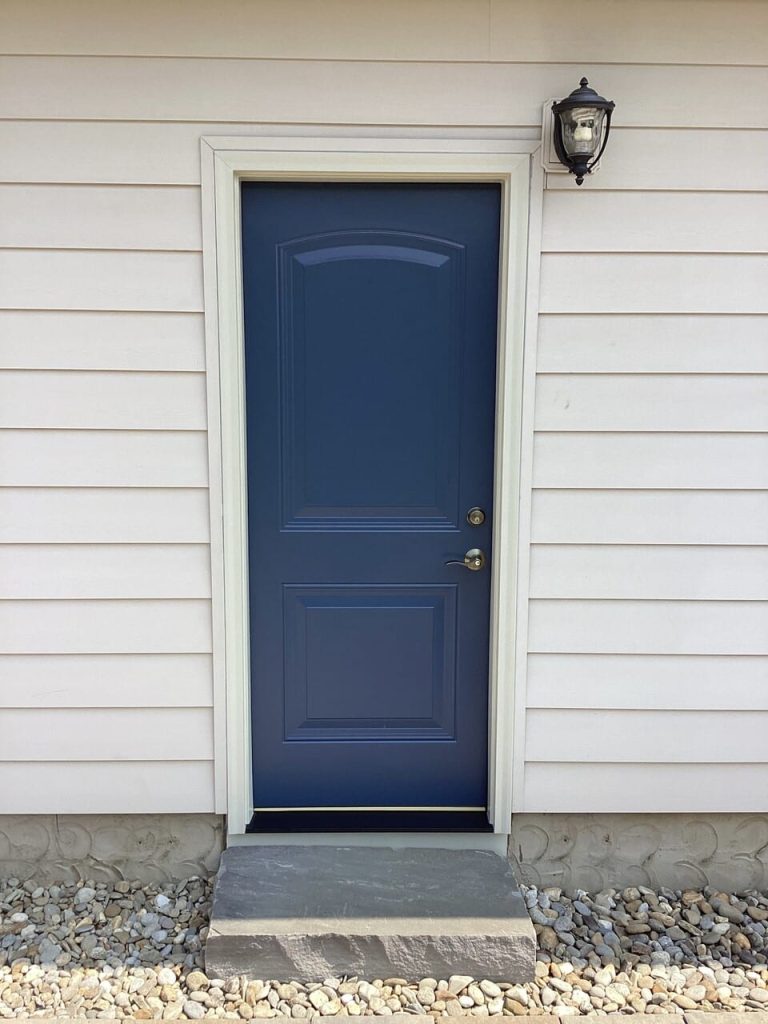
[581,124]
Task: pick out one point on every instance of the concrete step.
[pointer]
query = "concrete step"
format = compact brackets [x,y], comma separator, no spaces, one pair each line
[311,912]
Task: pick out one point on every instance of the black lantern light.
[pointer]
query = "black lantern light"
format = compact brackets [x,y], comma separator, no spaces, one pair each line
[582,122]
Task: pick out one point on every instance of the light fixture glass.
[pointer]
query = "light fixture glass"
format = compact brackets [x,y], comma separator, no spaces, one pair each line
[582,130]
[582,122]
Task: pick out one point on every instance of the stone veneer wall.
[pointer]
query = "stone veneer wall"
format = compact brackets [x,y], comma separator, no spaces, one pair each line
[595,851]
[149,847]
[575,851]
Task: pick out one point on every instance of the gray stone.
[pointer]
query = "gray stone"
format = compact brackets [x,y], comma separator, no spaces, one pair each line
[48,951]
[316,911]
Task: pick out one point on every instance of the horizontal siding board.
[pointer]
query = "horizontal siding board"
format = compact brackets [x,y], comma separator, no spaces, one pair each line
[105,627]
[648,573]
[92,458]
[653,737]
[656,30]
[649,681]
[142,152]
[366,92]
[99,734]
[75,571]
[651,402]
[56,515]
[654,222]
[106,787]
[659,30]
[652,344]
[626,165]
[415,29]
[105,680]
[654,283]
[103,280]
[648,627]
[100,217]
[104,151]
[642,788]
[650,517]
[59,340]
[124,400]
[636,461]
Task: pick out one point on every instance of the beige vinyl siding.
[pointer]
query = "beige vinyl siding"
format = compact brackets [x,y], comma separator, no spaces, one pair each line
[144,152]
[106,680]
[691,403]
[100,217]
[699,787]
[652,343]
[87,340]
[104,570]
[669,572]
[657,222]
[102,401]
[657,682]
[656,736]
[103,458]
[114,626]
[101,280]
[365,92]
[650,516]
[647,684]
[91,734]
[685,31]
[102,787]
[650,461]
[103,515]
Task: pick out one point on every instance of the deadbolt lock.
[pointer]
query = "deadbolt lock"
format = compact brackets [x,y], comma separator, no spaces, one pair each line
[475,516]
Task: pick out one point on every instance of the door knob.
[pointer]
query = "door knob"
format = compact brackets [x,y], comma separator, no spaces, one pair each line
[473,560]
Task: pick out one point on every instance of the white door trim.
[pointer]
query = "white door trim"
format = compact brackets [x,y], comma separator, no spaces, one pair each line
[226,162]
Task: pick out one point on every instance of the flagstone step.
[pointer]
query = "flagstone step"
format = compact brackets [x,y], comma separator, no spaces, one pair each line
[311,912]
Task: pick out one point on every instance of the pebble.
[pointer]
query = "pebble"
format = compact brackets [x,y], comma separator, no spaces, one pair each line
[490,989]
[458,982]
[122,950]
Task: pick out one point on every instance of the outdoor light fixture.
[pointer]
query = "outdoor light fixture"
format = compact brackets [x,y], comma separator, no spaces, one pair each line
[582,122]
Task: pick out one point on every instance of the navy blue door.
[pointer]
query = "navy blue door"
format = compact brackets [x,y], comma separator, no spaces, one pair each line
[370,332]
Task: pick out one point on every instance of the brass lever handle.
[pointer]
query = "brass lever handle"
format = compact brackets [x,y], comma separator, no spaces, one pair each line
[474,560]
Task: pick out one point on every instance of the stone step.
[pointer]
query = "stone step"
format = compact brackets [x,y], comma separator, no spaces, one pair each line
[305,913]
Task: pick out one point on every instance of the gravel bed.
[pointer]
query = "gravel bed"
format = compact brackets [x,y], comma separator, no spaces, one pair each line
[110,950]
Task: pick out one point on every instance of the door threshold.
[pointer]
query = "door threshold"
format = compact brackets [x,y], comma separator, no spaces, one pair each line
[493,842]
[368,821]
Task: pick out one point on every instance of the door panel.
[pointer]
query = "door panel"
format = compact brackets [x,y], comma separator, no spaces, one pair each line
[399,640]
[339,324]
[370,324]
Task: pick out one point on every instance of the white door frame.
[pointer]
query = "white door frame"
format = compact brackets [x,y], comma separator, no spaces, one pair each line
[226,161]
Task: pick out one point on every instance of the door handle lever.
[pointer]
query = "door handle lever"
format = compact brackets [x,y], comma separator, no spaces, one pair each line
[474,560]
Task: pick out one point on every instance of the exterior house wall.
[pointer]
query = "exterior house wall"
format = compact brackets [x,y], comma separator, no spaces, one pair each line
[646,687]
